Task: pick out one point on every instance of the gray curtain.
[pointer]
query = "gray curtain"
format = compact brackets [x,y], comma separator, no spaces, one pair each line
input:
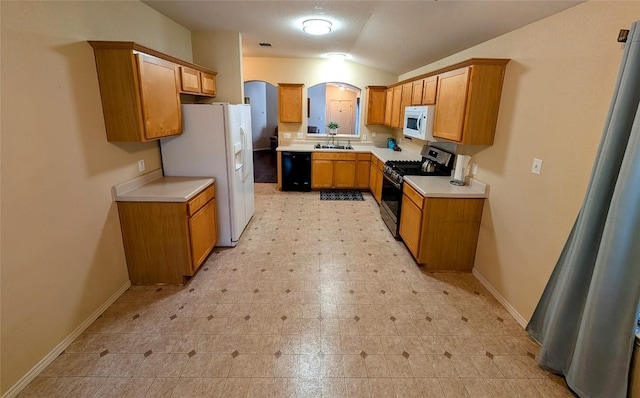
[586,317]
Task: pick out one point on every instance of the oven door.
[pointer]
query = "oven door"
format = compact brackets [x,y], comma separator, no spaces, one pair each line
[390,205]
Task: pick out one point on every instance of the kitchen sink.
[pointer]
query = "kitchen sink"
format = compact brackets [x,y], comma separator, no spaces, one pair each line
[332,146]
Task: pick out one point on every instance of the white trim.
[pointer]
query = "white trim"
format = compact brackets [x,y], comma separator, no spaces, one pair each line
[46,361]
[501,299]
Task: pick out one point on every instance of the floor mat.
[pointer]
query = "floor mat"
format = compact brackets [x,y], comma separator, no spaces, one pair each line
[341,195]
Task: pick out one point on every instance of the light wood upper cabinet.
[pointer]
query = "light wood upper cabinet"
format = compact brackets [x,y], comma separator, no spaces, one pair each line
[159,97]
[196,82]
[290,102]
[376,105]
[451,105]
[429,90]
[396,107]
[467,103]
[416,92]
[208,84]
[388,107]
[407,91]
[140,90]
[190,80]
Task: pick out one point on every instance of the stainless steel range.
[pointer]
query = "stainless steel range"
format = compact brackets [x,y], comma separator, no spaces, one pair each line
[435,162]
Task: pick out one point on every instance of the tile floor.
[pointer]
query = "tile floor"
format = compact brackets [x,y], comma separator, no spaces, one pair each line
[317,300]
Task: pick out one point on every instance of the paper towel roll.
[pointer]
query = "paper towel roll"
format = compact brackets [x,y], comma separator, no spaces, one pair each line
[460,171]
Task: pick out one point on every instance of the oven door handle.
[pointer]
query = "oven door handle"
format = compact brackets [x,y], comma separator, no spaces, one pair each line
[395,184]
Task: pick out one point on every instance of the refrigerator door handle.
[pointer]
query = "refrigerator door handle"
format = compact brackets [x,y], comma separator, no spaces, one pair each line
[243,141]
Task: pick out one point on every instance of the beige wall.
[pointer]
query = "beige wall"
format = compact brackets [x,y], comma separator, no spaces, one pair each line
[62,253]
[313,71]
[556,95]
[221,51]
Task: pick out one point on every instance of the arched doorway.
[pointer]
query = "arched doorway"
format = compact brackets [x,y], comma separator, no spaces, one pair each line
[263,98]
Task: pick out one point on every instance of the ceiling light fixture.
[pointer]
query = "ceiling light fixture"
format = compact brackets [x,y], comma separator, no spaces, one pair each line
[337,56]
[316,26]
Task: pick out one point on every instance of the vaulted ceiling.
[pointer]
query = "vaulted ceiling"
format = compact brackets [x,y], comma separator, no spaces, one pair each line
[394,36]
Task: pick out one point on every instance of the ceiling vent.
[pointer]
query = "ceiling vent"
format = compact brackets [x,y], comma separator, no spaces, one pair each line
[264,44]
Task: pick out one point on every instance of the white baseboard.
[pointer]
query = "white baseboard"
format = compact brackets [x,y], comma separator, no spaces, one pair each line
[46,361]
[500,299]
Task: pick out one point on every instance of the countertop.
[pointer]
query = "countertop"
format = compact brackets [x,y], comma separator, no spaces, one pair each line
[383,154]
[439,187]
[161,189]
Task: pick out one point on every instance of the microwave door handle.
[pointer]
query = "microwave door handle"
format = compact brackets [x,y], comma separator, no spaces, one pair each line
[419,124]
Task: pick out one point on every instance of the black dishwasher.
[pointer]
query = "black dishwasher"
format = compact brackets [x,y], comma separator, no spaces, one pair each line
[296,171]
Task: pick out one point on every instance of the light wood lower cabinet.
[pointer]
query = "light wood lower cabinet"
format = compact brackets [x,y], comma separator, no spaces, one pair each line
[363,161]
[165,242]
[375,178]
[339,170]
[440,233]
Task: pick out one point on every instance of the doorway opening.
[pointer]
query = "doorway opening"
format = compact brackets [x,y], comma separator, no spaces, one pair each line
[263,98]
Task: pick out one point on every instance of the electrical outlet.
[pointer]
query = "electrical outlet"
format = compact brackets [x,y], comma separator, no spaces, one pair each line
[536,166]
[373,134]
[141,166]
[287,135]
[474,169]
[364,137]
[300,136]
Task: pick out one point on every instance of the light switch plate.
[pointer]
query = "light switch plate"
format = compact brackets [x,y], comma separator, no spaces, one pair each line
[300,136]
[536,166]
[287,135]
[364,137]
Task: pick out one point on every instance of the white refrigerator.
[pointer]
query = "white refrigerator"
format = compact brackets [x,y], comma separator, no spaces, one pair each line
[216,142]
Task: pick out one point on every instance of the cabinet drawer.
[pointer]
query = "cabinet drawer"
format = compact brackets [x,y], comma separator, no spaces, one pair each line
[363,156]
[413,195]
[201,199]
[333,156]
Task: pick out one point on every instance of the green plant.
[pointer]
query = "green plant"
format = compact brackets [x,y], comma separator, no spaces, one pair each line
[333,125]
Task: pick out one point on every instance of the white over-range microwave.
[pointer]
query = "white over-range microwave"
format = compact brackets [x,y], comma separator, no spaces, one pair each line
[418,122]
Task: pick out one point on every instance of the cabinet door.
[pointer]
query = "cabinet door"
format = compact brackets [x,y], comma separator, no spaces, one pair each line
[203,231]
[429,90]
[321,173]
[416,92]
[160,95]
[290,103]
[376,97]
[396,107]
[410,225]
[372,175]
[362,174]
[406,101]
[451,104]
[208,84]
[377,194]
[388,107]
[344,173]
[190,80]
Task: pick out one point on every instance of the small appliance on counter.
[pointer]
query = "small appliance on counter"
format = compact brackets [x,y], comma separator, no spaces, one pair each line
[460,169]
[391,143]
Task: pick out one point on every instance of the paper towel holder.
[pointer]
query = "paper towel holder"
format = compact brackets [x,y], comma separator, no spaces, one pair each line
[460,170]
